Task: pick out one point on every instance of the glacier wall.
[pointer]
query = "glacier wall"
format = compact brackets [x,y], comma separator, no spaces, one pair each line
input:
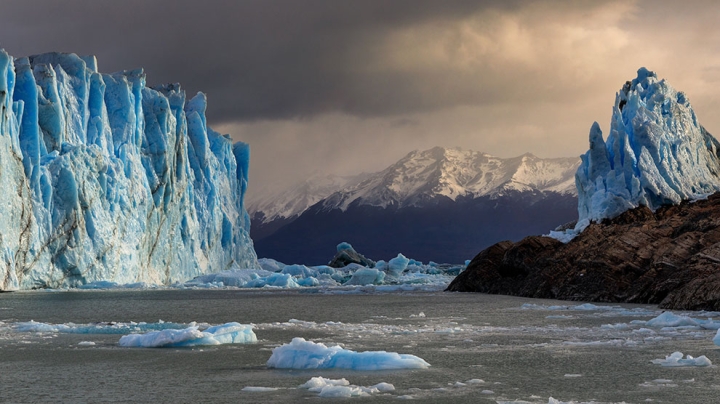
[656,153]
[103,178]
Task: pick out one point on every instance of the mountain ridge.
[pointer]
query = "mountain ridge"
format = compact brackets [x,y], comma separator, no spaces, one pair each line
[418,178]
[439,204]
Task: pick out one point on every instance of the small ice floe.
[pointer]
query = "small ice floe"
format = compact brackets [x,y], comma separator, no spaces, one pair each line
[475,381]
[559,317]
[302,354]
[421,315]
[716,339]
[555,401]
[86,343]
[253,389]
[229,333]
[670,319]
[487,392]
[341,388]
[676,360]
[110,327]
[616,326]
[572,375]
[659,383]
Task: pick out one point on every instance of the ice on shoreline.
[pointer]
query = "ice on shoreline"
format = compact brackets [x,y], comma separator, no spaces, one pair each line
[228,333]
[302,354]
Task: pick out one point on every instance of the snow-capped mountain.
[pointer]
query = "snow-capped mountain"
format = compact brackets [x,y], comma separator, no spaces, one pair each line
[422,177]
[290,203]
[439,204]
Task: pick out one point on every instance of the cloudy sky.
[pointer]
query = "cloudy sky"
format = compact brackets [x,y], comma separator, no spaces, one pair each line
[349,86]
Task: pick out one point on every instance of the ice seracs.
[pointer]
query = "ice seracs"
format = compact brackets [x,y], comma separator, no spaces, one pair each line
[106,179]
[655,154]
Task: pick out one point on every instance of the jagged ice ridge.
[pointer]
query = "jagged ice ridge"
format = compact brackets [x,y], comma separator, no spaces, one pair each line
[104,178]
[656,153]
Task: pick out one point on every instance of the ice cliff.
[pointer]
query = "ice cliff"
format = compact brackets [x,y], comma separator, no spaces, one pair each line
[103,178]
[656,153]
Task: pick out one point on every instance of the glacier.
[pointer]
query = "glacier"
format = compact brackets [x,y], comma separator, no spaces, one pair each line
[106,179]
[656,154]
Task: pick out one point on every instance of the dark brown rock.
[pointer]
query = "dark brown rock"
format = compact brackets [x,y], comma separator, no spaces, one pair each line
[670,257]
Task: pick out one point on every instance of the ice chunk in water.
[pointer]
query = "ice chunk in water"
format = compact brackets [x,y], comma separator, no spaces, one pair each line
[302,354]
[229,333]
[676,360]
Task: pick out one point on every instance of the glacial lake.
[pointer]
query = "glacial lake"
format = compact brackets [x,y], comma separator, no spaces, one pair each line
[521,350]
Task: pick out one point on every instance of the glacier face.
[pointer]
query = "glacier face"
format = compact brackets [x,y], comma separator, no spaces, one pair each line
[104,178]
[656,153]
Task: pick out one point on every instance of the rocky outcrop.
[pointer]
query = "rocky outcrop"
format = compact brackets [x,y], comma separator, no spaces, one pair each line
[670,257]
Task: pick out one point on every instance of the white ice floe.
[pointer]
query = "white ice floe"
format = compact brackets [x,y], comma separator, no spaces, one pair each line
[341,388]
[229,333]
[96,328]
[676,360]
[253,389]
[669,320]
[86,343]
[302,354]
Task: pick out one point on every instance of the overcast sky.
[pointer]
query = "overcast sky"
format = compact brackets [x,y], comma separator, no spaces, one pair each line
[349,86]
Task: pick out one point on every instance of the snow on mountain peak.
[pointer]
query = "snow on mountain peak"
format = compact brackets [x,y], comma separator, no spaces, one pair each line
[656,153]
[293,201]
[420,177]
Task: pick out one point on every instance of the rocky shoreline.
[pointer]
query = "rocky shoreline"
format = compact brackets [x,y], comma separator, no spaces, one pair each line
[670,257]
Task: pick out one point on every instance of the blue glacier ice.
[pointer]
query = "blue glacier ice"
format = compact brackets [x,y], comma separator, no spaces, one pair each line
[105,179]
[228,333]
[302,354]
[656,153]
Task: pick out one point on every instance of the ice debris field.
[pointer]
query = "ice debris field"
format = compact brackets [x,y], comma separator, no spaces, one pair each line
[396,275]
[645,327]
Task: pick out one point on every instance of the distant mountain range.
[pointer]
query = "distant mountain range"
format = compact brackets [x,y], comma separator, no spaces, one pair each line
[440,204]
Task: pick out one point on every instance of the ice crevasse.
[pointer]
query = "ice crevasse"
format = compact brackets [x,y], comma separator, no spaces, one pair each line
[104,178]
[655,154]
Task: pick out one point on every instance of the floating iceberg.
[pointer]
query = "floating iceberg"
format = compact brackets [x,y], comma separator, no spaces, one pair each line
[229,333]
[302,354]
[656,154]
[676,360]
[669,319]
[341,388]
[106,179]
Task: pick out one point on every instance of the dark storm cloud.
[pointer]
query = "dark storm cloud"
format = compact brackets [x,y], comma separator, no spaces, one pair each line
[255,59]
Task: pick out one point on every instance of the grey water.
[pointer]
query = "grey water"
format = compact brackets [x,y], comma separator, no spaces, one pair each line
[521,354]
